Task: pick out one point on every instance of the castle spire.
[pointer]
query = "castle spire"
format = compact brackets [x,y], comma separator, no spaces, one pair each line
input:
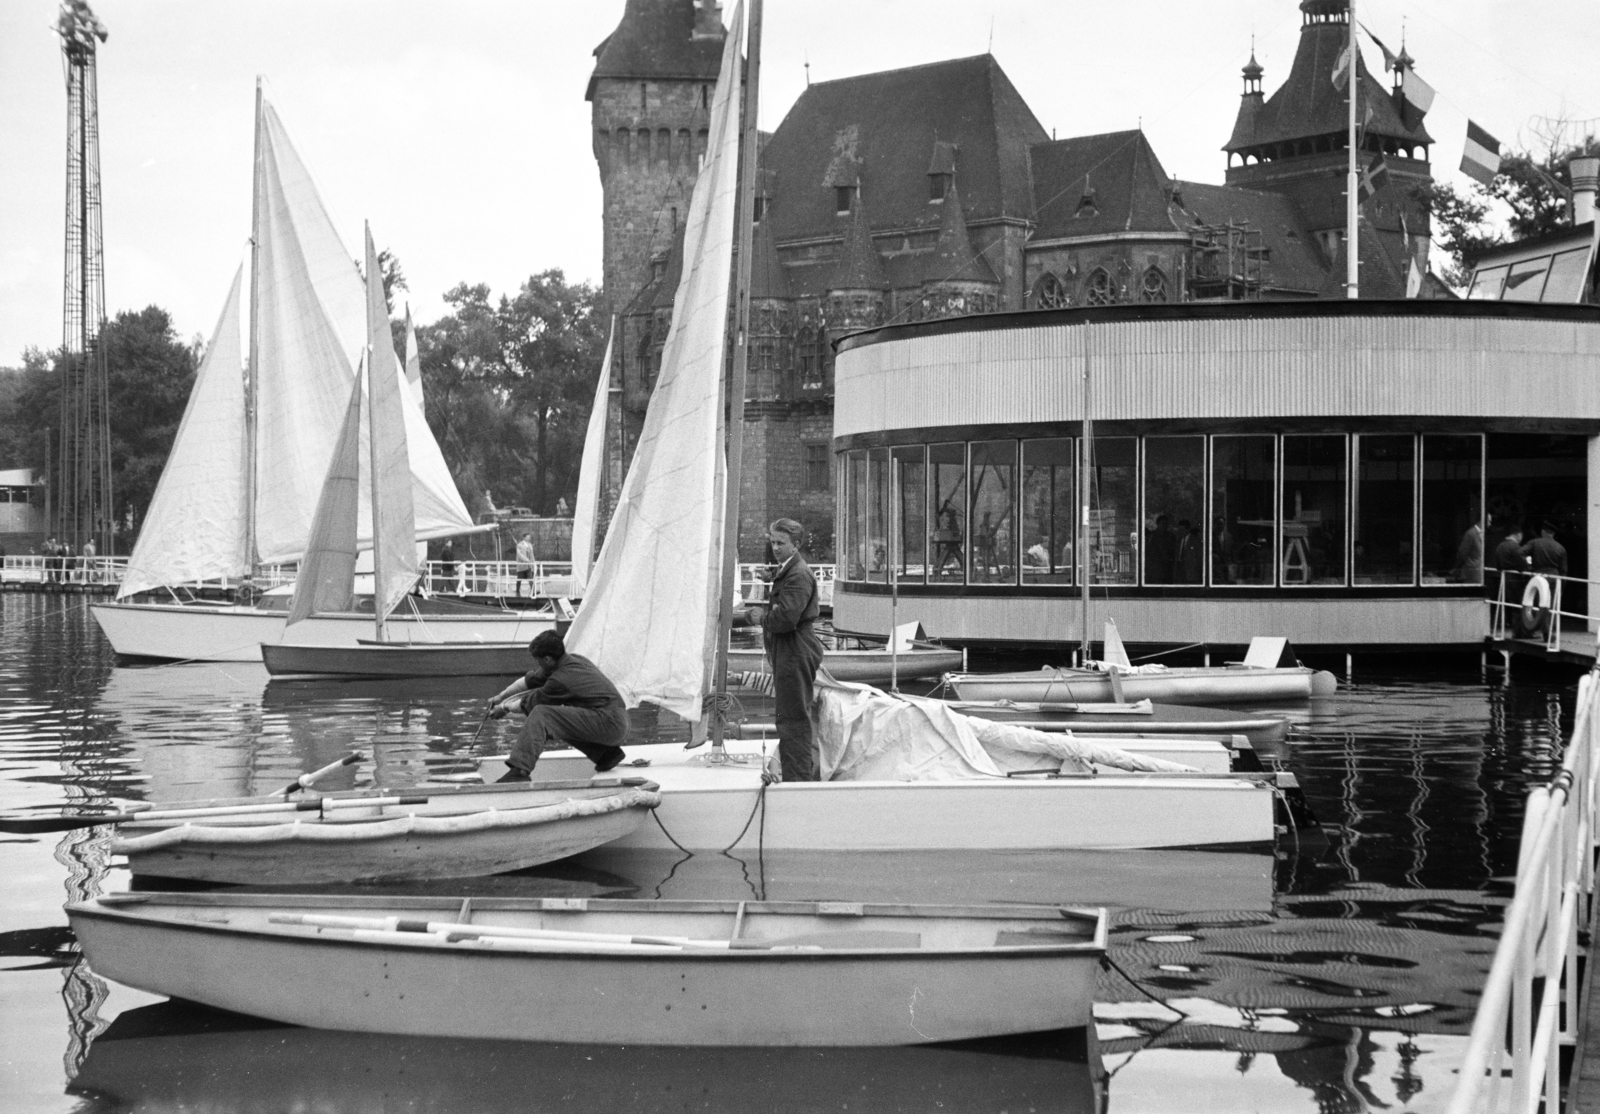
[859,267]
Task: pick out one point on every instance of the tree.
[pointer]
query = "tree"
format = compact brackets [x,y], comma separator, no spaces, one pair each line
[151,373]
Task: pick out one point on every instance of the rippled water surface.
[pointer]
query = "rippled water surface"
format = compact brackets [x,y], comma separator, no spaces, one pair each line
[1336,975]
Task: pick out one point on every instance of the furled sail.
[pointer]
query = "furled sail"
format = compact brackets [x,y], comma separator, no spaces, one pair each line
[394,550]
[650,616]
[326,581]
[195,528]
[591,473]
[312,329]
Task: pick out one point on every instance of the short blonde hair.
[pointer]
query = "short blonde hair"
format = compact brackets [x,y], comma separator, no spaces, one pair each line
[791,529]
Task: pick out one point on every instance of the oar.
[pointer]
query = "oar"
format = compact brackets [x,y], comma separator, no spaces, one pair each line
[457,931]
[305,781]
[36,825]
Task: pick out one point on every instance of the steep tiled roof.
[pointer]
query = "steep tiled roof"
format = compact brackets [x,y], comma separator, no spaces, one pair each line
[858,266]
[1294,261]
[886,124]
[1381,275]
[767,278]
[1308,104]
[656,38]
[952,259]
[1129,186]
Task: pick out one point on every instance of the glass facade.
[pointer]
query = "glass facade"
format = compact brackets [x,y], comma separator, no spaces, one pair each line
[1290,511]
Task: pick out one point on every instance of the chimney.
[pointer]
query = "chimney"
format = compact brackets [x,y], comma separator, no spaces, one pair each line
[708,19]
[1585,174]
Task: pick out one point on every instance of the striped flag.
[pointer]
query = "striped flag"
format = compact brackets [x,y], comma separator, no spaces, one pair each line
[1389,59]
[1480,160]
[1341,70]
[1373,179]
[1416,97]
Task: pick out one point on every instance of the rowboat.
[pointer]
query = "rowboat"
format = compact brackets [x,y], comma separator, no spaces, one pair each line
[448,832]
[1231,684]
[608,970]
[1140,719]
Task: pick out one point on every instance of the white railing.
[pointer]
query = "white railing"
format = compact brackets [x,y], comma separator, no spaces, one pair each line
[33,569]
[1507,616]
[1529,1010]
[497,578]
[753,582]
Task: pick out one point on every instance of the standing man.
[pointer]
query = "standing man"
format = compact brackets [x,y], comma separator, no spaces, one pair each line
[793,649]
[1549,556]
[567,700]
[525,564]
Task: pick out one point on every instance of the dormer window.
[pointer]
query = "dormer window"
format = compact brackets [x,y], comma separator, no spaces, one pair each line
[1088,206]
[938,186]
[842,199]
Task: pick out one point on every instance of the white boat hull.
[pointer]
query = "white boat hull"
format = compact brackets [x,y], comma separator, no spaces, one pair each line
[945,986]
[1197,685]
[235,633]
[710,808]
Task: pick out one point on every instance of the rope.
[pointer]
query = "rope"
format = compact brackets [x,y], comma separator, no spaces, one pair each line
[1111,963]
[761,800]
[656,814]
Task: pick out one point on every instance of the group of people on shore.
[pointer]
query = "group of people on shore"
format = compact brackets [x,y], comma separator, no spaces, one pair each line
[566,698]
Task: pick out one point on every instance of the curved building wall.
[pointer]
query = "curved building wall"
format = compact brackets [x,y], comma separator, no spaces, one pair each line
[1333,471]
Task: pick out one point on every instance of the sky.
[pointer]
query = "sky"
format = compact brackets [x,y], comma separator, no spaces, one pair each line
[459,129]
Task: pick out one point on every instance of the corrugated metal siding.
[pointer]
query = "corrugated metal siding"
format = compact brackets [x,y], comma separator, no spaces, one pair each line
[1283,367]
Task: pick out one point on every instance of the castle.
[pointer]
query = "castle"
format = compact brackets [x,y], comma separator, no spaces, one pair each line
[946,197]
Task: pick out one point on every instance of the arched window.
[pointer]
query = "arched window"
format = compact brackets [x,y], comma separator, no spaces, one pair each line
[1098,291]
[1154,286]
[1048,293]
[809,358]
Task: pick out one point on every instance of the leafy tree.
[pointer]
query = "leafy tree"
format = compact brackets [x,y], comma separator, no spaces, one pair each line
[150,375]
[1460,223]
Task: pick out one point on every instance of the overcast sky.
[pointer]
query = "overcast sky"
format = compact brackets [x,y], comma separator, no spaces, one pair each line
[459,128]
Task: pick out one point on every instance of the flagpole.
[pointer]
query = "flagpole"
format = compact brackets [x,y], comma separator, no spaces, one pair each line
[1352,205]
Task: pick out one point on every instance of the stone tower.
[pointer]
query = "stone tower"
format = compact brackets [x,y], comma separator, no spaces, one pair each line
[651,91]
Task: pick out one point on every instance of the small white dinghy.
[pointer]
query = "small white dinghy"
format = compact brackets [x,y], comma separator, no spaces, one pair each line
[575,970]
[432,832]
[1268,674]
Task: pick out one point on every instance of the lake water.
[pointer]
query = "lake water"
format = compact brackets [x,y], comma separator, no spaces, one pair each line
[1337,977]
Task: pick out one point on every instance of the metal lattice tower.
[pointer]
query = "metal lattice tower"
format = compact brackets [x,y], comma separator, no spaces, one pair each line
[82,483]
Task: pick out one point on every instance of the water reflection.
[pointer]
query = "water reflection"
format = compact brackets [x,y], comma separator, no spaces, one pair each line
[1320,980]
[183,1057]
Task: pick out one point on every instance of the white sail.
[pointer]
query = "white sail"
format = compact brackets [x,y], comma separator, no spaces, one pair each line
[650,616]
[326,580]
[394,550]
[311,304]
[591,473]
[414,364]
[195,528]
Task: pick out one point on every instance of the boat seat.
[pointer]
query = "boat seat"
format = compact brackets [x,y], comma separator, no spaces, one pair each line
[1040,937]
[847,938]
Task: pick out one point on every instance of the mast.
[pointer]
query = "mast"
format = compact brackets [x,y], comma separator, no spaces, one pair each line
[1352,206]
[894,572]
[1085,444]
[252,397]
[741,359]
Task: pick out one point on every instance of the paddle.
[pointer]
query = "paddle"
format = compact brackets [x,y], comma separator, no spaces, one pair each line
[36,825]
[305,781]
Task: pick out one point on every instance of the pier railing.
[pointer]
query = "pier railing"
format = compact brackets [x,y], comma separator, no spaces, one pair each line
[62,571]
[1529,1010]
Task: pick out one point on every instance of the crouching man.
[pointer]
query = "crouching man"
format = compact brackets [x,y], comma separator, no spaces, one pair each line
[567,700]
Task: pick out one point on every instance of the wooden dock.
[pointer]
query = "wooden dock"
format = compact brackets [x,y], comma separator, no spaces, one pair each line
[1571,647]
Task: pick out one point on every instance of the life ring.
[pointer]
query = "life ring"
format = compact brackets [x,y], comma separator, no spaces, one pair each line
[247,594]
[1535,605]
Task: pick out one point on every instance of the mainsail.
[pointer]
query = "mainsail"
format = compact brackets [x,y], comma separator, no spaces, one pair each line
[394,550]
[414,364]
[650,617]
[326,580]
[195,528]
[311,332]
[591,472]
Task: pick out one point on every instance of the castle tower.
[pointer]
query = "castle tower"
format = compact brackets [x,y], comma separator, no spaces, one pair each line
[1295,142]
[651,90]
[955,279]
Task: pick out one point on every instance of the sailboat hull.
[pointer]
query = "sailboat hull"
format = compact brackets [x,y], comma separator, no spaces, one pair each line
[1194,685]
[175,632]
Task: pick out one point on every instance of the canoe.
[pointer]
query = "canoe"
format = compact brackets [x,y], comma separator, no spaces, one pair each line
[1140,718]
[452,832]
[611,971]
[505,659]
[708,805]
[1227,684]
[165,1057]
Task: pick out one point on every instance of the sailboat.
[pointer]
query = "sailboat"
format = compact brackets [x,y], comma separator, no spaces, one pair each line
[657,614]
[251,452]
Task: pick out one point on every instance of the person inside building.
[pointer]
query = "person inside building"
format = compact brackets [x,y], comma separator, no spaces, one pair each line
[1547,556]
[567,700]
[793,649]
